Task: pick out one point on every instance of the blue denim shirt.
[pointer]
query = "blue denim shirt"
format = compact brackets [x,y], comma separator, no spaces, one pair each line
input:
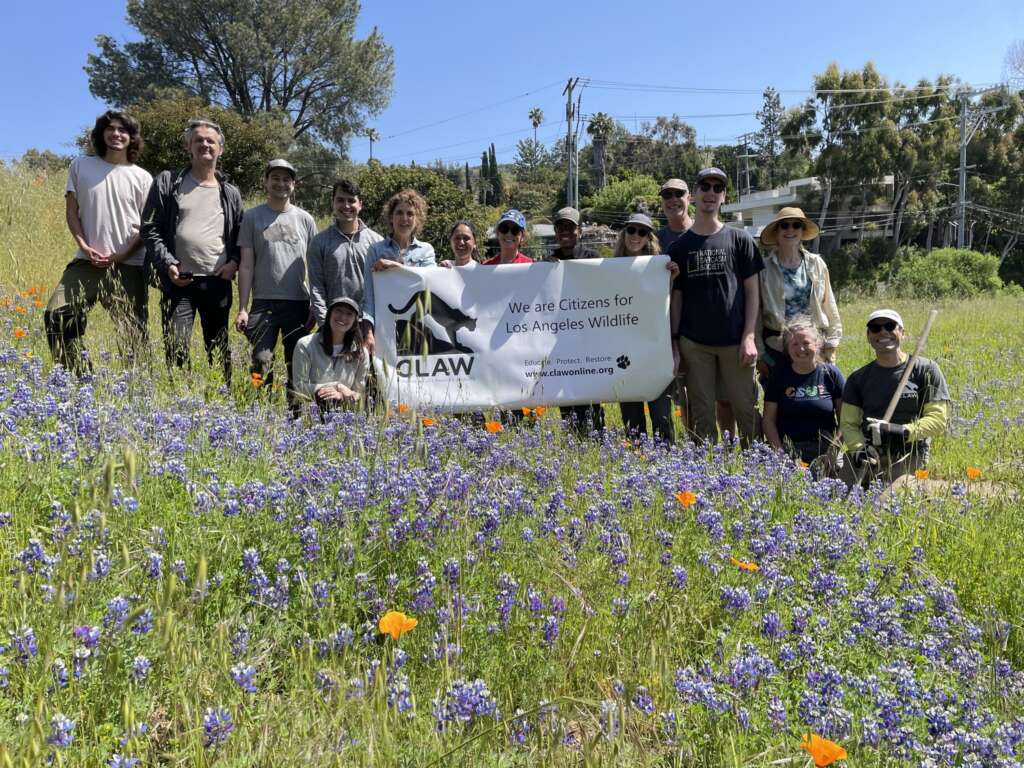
[420,254]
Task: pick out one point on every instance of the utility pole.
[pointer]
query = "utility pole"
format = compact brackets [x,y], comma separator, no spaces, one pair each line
[570,154]
[966,134]
[745,189]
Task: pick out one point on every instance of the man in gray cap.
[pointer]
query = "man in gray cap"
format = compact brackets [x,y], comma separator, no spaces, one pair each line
[715,302]
[567,234]
[675,204]
[273,242]
[585,419]
[889,449]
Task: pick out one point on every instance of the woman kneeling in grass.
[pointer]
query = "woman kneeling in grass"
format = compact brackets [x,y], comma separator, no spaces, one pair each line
[330,365]
[803,397]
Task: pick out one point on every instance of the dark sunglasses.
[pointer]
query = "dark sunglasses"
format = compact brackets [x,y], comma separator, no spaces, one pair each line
[507,228]
[707,186]
[637,230]
[672,193]
[791,225]
[888,325]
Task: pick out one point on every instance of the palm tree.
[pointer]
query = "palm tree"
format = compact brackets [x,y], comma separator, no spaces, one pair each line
[599,127]
[536,118]
[373,135]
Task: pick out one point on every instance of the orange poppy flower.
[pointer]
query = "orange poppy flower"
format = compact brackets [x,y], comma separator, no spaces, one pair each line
[678,413]
[403,408]
[427,421]
[745,565]
[686,498]
[396,624]
[973,473]
[257,379]
[37,303]
[540,410]
[493,426]
[526,411]
[20,310]
[20,333]
[823,751]
[921,474]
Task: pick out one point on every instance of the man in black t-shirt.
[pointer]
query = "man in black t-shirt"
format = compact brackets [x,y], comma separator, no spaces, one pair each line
[714,310]
[585,419]
[889,449]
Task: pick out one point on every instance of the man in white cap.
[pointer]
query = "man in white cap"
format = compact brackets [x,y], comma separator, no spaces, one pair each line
[889,449]
[273,242]
[675,204]
[715,302]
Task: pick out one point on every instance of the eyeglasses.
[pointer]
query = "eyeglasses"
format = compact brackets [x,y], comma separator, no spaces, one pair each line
[509,229]
[637,230]
[888,325]
[791,225]
[707,186]
[669,193]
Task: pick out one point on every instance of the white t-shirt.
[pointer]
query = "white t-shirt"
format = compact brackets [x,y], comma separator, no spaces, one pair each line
[110,201]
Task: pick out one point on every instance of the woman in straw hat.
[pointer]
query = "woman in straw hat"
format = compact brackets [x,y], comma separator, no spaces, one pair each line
[794,282]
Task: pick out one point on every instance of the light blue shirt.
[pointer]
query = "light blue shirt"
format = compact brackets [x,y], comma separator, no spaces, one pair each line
[419,254]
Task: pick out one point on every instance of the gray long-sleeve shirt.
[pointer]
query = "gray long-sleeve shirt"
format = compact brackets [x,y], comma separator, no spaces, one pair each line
[336,262]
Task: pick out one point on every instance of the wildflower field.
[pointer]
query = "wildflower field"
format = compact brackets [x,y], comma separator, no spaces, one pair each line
[192,579]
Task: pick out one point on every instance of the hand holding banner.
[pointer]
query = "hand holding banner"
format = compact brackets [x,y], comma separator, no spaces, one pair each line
[513,335]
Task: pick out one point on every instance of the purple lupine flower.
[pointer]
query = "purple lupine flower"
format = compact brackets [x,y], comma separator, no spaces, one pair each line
[611,721]
[777,714]
[771,626]
[117,612]
[325,682]
[748,668]
[734,599]
[519,729]
[79,658]
[217,726]
[463,703]
[642,700]
[550,628]
[60,673]
[679,577]
[62,731]
[24,643]
[154,565]
[240,641]
[119,761]
[140,670]
[100,565]
[243,675]
[5,675]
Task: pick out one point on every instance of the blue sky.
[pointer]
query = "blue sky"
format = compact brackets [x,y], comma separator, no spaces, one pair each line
[486,64]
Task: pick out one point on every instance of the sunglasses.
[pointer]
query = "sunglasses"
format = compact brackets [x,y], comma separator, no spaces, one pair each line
[669,193]
[637,230]
[707,186]
[791,225]
[888,325]
[506,229]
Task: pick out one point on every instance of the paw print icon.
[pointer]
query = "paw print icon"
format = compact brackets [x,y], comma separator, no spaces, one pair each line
[622,361]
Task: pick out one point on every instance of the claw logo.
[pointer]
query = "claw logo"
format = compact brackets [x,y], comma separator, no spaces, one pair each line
[622,361]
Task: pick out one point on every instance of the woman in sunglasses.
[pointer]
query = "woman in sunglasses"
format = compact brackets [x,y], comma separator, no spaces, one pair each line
[900,446]
[638,238]
[511,232]
[794,282]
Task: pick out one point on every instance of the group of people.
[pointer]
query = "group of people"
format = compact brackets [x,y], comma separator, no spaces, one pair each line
[737,317]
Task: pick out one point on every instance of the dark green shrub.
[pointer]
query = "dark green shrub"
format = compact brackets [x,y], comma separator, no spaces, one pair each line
[947,272]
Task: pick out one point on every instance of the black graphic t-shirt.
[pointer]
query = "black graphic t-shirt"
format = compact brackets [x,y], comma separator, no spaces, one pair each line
[712,269]
[806,401]
[870,388]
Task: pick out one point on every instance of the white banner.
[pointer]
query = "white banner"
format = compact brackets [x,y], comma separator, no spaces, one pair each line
[514,335]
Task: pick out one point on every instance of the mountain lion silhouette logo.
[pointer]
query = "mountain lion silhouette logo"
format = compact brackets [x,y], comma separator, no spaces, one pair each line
[451,319]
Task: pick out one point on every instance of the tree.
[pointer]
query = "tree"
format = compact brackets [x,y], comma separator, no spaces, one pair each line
[496,196]
[622,197]
[469,183]
[599,129]
[536,118]
[46,161]
[768,140]
[248,143]
[299,57]
[1013,64]
[485,177]
[530,157]
[447,203]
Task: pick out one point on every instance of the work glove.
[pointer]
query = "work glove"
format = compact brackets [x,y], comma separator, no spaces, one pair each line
[865,455]
[879,429]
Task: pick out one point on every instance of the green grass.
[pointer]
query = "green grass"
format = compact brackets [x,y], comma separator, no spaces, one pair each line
[390,493]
